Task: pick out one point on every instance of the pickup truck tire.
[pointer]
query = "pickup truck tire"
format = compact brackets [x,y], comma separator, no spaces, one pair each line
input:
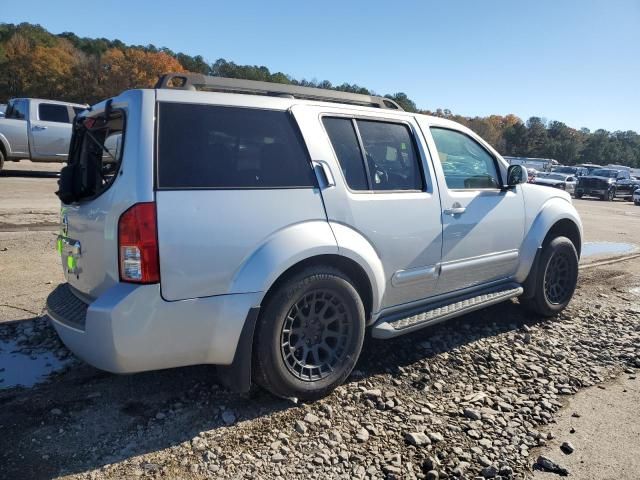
[309,334]
[610,195]
[1,159]
[555,279]
[578,195]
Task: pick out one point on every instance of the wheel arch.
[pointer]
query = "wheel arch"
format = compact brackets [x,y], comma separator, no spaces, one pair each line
[346,265]
[557,217]
[312,243]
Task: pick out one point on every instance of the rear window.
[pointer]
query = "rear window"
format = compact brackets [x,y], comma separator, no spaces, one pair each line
[95,155]
[48,112]
[204,146]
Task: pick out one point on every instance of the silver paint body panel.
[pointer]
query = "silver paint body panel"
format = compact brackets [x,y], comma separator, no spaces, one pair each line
[221,250]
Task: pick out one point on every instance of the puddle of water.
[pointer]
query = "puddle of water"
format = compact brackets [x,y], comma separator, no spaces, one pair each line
[590,249]
[20,369]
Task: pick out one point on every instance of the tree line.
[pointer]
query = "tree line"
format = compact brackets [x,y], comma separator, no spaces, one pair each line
[37,63]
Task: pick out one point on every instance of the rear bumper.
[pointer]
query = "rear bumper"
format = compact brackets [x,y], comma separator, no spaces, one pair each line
[130,328]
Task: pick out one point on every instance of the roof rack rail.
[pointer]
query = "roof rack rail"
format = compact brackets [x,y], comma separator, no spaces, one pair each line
[198,81]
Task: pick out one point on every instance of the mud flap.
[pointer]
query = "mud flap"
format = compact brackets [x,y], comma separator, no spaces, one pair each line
[529,284]
[237,376]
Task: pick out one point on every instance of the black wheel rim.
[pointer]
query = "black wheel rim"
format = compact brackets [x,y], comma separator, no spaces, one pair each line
[557,278]
[315,335]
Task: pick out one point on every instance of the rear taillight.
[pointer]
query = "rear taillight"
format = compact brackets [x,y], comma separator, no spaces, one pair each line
[138,244]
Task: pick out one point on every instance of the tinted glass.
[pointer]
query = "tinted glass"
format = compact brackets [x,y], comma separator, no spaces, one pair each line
[345,145]
[17,109]
[391,156]
[53,113]
[203,146]
[605,173]
[466,164]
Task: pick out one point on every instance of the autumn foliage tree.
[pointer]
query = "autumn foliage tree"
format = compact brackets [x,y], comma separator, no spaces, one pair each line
[36,63]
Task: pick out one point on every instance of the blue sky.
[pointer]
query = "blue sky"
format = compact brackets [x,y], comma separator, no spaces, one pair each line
[574,61]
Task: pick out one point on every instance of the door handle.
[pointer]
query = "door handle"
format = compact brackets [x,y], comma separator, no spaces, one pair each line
[456,209]
[322,170]
[37,128]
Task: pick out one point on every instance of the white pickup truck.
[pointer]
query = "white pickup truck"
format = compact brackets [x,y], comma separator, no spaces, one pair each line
[36,129]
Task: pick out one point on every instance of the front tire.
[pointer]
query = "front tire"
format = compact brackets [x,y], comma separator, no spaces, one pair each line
[556,278]
[611,195]
[578,195]
[1,160]
[309,335]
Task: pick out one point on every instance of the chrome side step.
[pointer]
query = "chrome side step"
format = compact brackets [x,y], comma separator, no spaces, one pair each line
[435,313]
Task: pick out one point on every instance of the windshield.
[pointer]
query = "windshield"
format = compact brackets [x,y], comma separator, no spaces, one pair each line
[603,172]
[94,156]
[565,170]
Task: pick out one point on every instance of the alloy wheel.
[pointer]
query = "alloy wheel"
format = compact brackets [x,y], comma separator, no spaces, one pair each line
[315,335]
[557,278]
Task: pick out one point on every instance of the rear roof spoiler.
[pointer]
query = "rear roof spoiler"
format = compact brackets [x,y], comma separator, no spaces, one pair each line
[198,81]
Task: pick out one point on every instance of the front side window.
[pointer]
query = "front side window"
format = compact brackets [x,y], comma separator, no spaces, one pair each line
[206,146]
[48,112]
[466,164]
[375,155]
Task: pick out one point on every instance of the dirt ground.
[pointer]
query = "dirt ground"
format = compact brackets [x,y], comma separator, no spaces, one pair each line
[84,423]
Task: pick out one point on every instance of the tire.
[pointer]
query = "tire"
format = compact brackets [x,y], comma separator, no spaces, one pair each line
[556,278]
[1,159]
[610,195]
[302,357]
[578,195]
[636,202]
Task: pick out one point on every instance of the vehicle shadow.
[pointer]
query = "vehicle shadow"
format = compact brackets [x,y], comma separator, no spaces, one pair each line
[84,419]
[28,173]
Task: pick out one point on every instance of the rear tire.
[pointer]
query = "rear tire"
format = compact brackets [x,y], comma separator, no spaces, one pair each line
[578,195]
[556,278]
[1,160]
[309,335]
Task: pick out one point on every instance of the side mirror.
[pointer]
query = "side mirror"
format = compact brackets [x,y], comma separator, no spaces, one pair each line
[516,174]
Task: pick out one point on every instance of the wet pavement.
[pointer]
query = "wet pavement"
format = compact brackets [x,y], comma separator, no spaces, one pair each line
[593,249]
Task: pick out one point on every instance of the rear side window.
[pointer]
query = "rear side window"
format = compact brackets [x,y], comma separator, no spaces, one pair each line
[391,156]
[375,155]
[48,112]
[345,144]
[204,146]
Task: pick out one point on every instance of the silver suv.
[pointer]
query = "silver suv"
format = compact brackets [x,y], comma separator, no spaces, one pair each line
[264,228]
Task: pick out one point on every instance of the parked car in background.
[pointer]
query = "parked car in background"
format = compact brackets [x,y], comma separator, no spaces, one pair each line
[589,166]
[576,171]
[605,183]
[3,107]
[557,180]
[625,187]
[265,233]
[36,129]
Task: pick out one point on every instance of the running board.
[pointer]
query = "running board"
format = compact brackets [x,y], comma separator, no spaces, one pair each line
[438,312]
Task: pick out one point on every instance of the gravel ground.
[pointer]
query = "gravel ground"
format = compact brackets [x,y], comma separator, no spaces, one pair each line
[473,397]
[477,397]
